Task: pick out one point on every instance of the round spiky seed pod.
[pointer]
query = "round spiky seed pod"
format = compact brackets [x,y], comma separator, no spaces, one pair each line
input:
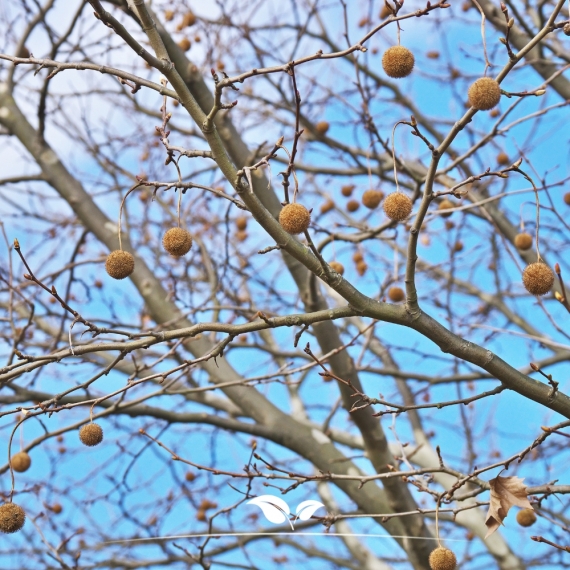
[120,264]
[361,268]
[538,278]
[398,61]
[56,508]
[484,94]
[442,559]
[295,218]
[241,236]
[446,204]
[21,462]
[347,190]
[357,257]
[396,294]
[352,205]
[184,44]
[338,267]
[241,223]
[397,206]
[326,206]
[322,127]
[526,517]
[91,434]
[189,19]
[371,198]
[177,241]
[458,246]
[503,159]
[567,198]
[168,15]
[12,518]
[523,241]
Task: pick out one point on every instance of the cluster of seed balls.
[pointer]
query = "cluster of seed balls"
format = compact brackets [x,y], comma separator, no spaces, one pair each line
[483,94]
[120,264]
[12,516]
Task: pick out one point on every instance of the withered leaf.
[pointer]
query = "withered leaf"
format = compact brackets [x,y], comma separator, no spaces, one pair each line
[506,492]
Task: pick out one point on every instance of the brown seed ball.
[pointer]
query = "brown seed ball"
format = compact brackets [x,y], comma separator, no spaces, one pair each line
[526,517]
[398,61]
[484,94]
[442,559]
[397,206]
[538,278]
[120,264]
[241,236]
[168,15]
[503,159]
[446,204]
[385,12]
[458,246]
[347,190]
[338,267]
[357,257]
[295,218]
[21,462]
[91,434]
[56,508]
[189,476]
[12,518]
[396,294]
[371,198]
[361,268]
[241,223]
[201,515]
[432,55]
[567,198]
[352,205]
[523,241]
[326,207]
[189,19]
[177,241]
[184,44]
[494,113]
[322,127]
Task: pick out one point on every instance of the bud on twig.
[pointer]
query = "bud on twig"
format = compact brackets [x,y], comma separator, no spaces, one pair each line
[534,367]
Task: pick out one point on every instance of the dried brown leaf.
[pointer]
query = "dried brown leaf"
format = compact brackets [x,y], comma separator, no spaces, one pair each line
[506,492]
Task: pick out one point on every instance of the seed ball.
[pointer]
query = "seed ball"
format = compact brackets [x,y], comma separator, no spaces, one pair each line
[177,241]
[523,241]
[371,198]
[21,462]
[446,204]
[503,159]
[184,44]
[168,15]
[538,278]
[567,198]
[56,508]
[357,257]
[397,206]
[91,434]
[361,268]
[338,267]
[442,559]
[241,223]
[295,218]
[189,476]
[326,207]
[120,264]
[241,236]
[347,190]
[322,127]
[12,518]
[396,294]
[352,205]
[189,19]
[484,94]
[398,61]
[526,517]
[458,246]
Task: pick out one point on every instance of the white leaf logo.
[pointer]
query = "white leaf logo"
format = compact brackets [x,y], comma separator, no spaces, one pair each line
[275,509]
[307,509]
